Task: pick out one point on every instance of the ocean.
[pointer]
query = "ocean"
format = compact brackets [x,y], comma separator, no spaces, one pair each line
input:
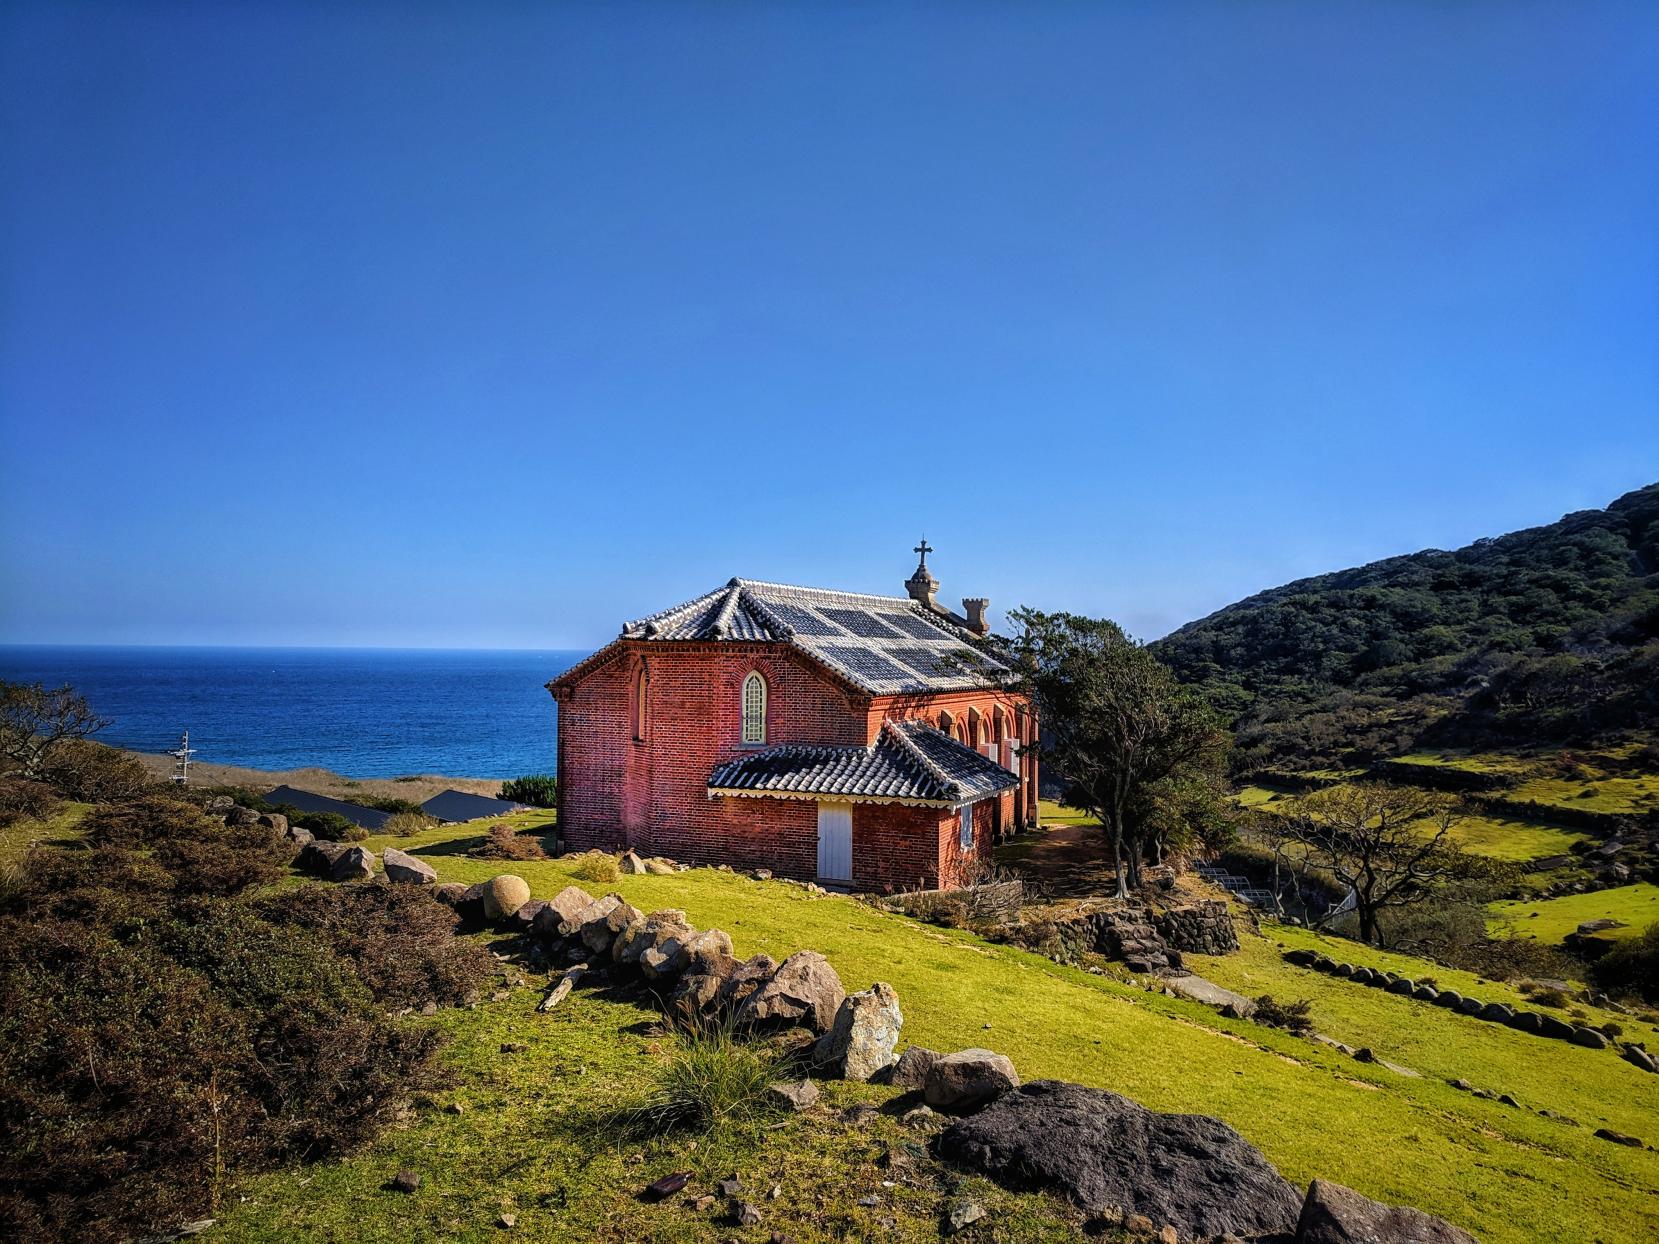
[362,712]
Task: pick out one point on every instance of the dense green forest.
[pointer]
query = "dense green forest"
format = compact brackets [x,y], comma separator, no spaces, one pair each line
[1545,636]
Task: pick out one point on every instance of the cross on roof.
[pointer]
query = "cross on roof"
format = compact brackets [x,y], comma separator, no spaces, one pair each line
[924,548]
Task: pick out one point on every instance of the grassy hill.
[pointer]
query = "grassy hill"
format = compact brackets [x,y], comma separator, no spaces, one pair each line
[526,1141]
[1544,636]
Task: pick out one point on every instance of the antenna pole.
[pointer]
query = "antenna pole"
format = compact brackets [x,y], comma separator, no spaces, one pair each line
[181,761]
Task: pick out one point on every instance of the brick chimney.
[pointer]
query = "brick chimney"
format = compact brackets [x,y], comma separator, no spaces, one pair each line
[975,607]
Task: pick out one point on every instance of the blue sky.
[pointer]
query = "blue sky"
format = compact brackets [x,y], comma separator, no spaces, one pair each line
[492,325]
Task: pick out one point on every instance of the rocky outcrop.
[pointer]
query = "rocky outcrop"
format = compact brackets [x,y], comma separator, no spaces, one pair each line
[403,867]
[1332,1214]
[1202,928]
[863,1036]
[1107,1153]
[967,1080]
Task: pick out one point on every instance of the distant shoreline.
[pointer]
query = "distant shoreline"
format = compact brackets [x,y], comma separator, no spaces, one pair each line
[417,788]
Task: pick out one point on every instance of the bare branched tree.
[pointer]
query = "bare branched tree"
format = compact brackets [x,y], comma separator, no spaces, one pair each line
[35,722]
[1388,844]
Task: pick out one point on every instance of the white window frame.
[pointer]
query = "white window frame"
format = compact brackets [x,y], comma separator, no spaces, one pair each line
[965,834]
[752,730]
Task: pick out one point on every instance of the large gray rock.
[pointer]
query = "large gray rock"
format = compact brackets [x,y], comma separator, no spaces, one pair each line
[910,1072]
[555,920]
[1333,1214]
[276,821]
[401,866]
[968,1079]
[632,940]
[319,856]
[353,864]
[863,1036]
[804,990]
[504,894]
[1106,1152]
[604,920]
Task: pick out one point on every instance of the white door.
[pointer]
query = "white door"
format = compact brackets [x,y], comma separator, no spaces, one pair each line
[835,842]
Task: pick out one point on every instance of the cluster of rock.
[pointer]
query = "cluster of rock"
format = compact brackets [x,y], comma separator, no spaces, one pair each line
[233,813]
[345,861]
[1147,941]
[1536,1023]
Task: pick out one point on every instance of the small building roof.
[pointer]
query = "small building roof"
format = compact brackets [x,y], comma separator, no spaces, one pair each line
[885,645]
[459,805]
[910,762]
[309,801]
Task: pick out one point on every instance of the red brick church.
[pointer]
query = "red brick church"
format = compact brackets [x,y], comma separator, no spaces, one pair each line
[860,741]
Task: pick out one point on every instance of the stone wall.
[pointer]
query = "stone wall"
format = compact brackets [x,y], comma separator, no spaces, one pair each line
[1201,928]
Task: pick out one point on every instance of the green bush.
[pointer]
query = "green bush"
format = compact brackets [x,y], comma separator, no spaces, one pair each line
[144,821]
[327,825]
[23,800]
[407,824]
[538,790]
[1294,1016]
[1631,967]
[93,773]
[502,843]
[596,866]
[161,1033]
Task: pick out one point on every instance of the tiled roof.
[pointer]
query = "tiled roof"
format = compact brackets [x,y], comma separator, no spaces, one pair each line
[887,645]
[910,762]
[309,801]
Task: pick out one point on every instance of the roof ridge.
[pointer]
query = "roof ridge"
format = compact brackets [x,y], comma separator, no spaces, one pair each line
[828,591]
[650,618]
[901,736]
[766,615]
[723,619]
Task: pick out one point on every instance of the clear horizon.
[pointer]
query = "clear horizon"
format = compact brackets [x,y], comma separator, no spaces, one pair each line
[486,329]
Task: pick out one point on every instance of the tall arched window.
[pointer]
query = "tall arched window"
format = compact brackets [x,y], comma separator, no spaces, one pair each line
[640,677]
[754,709]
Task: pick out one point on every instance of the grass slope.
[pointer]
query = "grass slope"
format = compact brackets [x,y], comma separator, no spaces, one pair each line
[1506,1174]
[1550,920]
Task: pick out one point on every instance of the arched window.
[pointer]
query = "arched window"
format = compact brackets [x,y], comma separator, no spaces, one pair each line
[754,709]
[639,701]
[946,725]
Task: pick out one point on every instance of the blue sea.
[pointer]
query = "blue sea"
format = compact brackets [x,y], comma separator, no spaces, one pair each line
[362,712]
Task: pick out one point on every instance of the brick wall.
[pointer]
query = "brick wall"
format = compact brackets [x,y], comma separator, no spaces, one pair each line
[651,793]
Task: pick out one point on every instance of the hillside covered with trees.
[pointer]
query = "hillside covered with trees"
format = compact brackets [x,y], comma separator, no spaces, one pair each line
[1544,636]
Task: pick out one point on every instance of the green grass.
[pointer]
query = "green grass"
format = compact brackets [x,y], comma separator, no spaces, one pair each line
[15,840]
[1620,795]
[1052,812]
[1507,1175]
[1498,838]
[1550,920]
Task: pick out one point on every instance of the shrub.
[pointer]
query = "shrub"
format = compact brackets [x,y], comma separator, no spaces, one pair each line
[329,825]
[401,939]
[144,821]
[93,773]
[539,790]
[1632,966]
[711,1079]
[397,807]
[596,866]
[159,1042]
[407,824]
[23,800]
[1294,1016]
[502,843]
[225,859]
[1550,996]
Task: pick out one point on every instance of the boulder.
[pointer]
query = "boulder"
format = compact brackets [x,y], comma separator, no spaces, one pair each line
[1332,1214]
[1558,1029]
[796,1095]
[1636,1056]
[555,920]
[524,919]
[401,866]
[968,1079]
[637,935]
[1526,1021]
[503,895]
[804,990]
[631,864]
[298,836]
[1344,969]
[1402,985]
[1496,1013]
[604,920]
[660,868]
[1449,998]
[1425,993]
[696,998]
[450,893]
[1619,1138]
[353,864]
[1301,958]
[1108,1153]
[1589,1038]
[1471,1006]
[743,980]
[863,1036]
[318,856]
[710,953]
[236,814]
[910,1072]
[275,820]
